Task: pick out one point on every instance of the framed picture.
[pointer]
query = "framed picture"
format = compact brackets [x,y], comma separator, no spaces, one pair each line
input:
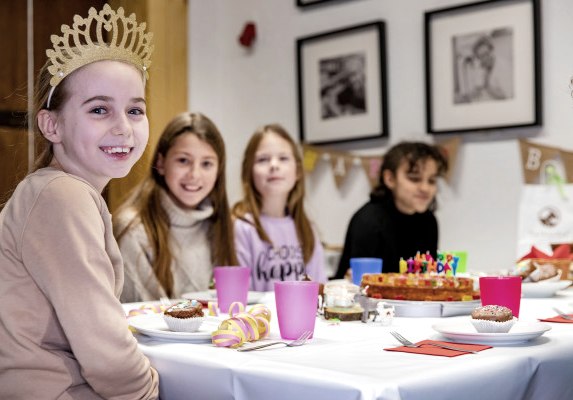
[483,67]
[342,85]
[305,3]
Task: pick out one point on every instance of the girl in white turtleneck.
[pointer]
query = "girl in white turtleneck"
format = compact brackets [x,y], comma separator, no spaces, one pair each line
[176,226]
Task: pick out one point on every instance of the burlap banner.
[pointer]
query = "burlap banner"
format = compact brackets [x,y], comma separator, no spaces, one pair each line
[545,164]
[450,148]
[341,163]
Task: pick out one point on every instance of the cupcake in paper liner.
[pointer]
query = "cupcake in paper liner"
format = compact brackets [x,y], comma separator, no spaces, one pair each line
[186,316]
[492,319]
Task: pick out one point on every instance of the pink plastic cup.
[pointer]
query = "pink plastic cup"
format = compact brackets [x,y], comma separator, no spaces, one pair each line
[501,291]
[231,284]
[296,302]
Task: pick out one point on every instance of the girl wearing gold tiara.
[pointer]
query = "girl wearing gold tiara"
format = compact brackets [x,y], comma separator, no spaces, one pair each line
[62,327]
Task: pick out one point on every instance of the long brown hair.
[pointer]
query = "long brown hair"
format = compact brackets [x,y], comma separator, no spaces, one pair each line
[146,200]
[252,200]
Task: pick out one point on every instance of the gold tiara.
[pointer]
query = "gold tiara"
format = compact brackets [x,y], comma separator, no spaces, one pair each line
[84,43]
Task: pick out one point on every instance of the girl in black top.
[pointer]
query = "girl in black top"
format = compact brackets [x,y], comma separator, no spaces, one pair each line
[398,221]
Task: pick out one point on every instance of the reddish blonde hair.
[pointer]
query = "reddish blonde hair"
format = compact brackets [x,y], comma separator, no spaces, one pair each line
[252,200]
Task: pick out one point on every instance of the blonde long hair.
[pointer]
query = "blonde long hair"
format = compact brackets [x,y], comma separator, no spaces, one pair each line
[252,200]
[146,200]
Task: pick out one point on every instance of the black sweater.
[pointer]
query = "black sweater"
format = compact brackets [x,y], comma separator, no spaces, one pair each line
[379,230]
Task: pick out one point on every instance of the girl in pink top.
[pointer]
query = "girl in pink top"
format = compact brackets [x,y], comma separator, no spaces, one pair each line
[273,235]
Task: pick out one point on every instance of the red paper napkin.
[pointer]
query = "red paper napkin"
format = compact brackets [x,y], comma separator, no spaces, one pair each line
[438,351]
[558,319]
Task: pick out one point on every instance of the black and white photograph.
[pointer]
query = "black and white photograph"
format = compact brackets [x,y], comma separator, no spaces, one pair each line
[483,66]
[342,84]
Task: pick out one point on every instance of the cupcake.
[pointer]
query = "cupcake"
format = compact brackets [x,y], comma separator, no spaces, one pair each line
[492,319]
[186,316]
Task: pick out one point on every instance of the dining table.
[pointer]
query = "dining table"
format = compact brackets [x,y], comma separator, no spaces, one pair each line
[349,361]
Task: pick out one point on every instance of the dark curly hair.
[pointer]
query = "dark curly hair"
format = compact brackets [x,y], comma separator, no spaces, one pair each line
[413,152]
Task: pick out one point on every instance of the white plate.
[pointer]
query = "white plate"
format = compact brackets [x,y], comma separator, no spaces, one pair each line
[465,332]
[543,289]
[432,309]
[154,326]
[211,295]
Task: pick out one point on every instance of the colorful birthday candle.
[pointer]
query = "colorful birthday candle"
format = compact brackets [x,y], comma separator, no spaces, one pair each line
[447,268]
[410,263]
[429,256]
[417,266]
[433,266]
[403,266]
[440,267]
[455,265]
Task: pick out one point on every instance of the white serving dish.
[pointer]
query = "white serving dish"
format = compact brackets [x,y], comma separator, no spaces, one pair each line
[432,309]
[543,288]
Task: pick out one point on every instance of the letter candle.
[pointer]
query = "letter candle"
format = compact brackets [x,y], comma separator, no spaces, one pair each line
[445,263]
[403,266]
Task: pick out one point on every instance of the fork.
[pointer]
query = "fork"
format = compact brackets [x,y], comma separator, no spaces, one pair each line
[562,314]
[297,342]
[407,343]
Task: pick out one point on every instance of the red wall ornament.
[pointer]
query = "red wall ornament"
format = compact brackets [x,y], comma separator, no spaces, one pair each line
[248,35]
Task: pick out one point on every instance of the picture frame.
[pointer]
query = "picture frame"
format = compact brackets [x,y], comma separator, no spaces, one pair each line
[310,3]
[482,66]
[342,86]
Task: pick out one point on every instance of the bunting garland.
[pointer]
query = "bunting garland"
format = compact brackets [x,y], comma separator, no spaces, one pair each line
[542,164]
[341,163]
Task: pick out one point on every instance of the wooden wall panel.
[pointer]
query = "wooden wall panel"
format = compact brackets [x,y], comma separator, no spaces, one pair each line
[167,86]
[14,58]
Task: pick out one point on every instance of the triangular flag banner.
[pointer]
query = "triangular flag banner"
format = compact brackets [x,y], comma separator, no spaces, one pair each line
[450,148]
[342,162]
[540,163]
[371,166]
[309,160]
[340,167]
[567,158]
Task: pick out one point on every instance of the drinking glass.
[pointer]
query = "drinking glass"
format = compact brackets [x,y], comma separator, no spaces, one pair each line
[501,291]
[297,302]
[231,284]
[361,266]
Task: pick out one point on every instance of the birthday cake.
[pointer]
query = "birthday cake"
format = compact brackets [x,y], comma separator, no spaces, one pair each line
[418,286]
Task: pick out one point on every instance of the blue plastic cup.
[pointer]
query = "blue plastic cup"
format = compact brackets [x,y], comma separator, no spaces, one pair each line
[361,266]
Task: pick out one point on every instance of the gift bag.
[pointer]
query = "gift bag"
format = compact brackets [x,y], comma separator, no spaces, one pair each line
[545,217]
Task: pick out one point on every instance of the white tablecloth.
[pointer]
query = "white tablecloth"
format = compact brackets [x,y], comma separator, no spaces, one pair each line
[347,361]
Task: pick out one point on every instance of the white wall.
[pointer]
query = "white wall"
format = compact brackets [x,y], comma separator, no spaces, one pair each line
[241,90]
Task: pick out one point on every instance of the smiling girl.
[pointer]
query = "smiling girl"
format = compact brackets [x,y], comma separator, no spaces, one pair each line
[273,235]
[176,226]
[398,221]
[63,331]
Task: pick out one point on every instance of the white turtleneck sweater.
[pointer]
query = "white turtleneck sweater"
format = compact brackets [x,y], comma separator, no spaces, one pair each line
[191,264]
